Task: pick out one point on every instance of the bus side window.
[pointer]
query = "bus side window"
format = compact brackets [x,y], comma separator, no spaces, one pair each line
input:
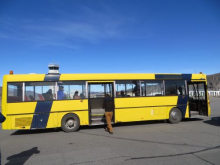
[39,91]
[15,92]
[173,88]
[127,88]
[152,88]
[71,90]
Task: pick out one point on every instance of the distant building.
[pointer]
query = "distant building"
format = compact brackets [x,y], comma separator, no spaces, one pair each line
[202,93]
[214,93]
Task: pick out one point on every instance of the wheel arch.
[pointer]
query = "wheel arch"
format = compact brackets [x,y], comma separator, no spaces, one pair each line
[82,115]
[69,113]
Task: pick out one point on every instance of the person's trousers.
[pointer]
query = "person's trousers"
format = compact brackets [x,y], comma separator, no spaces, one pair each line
[108,117]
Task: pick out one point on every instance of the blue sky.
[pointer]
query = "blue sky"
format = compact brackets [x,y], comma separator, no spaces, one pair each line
[110,36]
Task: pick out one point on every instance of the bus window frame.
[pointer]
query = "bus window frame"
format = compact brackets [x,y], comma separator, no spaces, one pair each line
[23,92]
[55,90]
[186,88]
[87,92]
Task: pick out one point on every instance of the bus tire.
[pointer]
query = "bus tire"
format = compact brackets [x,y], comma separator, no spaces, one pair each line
[175,116]
[70,123]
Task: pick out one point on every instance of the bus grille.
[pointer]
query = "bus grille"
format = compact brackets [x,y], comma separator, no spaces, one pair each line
[23,121]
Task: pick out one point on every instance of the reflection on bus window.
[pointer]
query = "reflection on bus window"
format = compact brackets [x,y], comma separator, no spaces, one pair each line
[15,92]
[71,90]
[130,88]
[175,87]
[39,91]
[197,91]
[100,90]
[152,88]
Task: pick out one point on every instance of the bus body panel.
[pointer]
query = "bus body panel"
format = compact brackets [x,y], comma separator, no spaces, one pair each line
[96,77]
[21,78]
[139,114]
[27,110]
[208,103]
[197,77]
[18,122]
[143,108]
[69,105]
[187,111]
[4,97]
[21,108]
[131,102]
[55,119]
[209,110]
[79,107]
[105,77]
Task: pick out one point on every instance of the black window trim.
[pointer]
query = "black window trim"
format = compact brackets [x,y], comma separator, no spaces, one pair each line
[56,86]
[115,82]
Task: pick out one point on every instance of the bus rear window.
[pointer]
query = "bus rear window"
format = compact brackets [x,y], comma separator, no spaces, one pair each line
[14,92]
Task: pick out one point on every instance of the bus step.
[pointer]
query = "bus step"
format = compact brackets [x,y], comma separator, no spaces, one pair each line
[99,123]
[97,115]
[98,119]
[95,111]
[194,113]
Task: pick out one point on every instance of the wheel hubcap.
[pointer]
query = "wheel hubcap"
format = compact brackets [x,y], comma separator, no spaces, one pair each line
[174,115]
[70,123]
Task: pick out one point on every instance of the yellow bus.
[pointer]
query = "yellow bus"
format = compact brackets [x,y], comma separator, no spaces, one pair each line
[39,101]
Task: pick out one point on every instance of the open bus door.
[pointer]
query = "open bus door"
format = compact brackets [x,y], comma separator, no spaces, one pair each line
[97,93]
[198,103]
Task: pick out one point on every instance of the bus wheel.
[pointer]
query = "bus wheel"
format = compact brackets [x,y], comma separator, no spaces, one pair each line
[70,123]
[175,116]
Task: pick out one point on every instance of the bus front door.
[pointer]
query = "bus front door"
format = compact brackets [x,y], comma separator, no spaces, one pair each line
[198,104]
[97,93]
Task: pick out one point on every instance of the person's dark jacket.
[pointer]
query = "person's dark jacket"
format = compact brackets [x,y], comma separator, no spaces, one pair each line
[108,105]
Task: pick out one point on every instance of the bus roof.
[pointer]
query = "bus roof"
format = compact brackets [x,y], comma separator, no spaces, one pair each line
[101,76]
